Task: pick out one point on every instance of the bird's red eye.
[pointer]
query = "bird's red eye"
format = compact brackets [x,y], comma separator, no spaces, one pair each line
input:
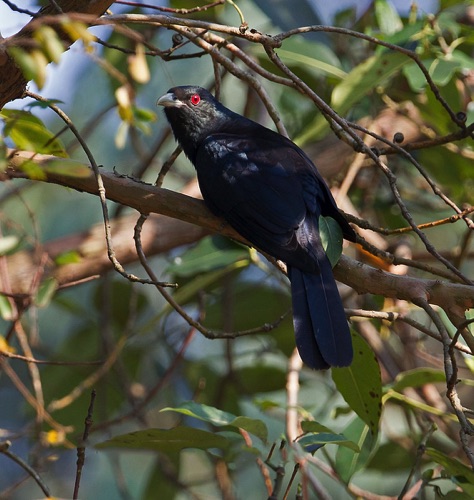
[195,99]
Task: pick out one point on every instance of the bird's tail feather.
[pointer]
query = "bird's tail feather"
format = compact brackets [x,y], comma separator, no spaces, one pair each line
[321,330]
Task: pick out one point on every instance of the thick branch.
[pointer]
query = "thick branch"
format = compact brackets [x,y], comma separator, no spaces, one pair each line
[143,197]
[146,198]
[160,235]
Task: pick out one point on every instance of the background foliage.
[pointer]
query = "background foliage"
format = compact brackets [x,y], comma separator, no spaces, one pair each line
[196,391]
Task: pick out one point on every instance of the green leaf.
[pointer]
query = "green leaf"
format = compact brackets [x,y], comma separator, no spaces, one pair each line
[32,169]
[204,281]
[360,384]
[321,438]
[362,80]
[207,280]
[144,114]
[417,404]
[50,43]
[295,57]
[456,495]
[312,55]
[125,298]
[331,238]
[3,155]
[252,425]
[32,64]
[465,61]
[67,167]
[442,70]
[408,33]
[267,404]
[463,476]
[160,479]
[312,426]
[210,253]
[390,457]
[8,244]
[415,77]
[6,310]
[46,291]
[254,304]
[417,378]
[203,412]
[43,104]
[167,440]
[320,434]
[387,17]
[218,417]
[69,257]
[348,461]
[260,377]
[29,133]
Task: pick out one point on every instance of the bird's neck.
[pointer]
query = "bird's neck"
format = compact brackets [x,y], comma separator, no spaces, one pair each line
[190,133]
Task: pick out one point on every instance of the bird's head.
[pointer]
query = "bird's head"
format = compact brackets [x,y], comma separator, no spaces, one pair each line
[193,114]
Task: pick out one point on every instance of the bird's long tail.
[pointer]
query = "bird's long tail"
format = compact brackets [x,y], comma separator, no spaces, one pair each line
[321,330]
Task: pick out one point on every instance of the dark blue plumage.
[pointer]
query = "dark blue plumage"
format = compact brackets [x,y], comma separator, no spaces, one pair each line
[272,194]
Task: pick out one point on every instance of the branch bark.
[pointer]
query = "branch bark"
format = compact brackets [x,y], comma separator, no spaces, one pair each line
[148,199]
[160,235]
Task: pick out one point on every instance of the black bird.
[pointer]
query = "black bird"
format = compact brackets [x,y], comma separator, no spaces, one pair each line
[268,190]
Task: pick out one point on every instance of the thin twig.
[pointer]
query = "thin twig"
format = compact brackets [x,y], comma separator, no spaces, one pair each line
[403,152]
[15,8]
[172,302]
[407,229]
[4,449]
[164,379]
[81,449]
[167,165]
[92,379]
[419,456]
[451,369]
[33,370]
[30,399]
[101,192]
[28,359]
[395,316]
[169,9]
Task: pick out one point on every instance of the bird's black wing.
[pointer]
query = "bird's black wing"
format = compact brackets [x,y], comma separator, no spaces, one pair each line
[265,189]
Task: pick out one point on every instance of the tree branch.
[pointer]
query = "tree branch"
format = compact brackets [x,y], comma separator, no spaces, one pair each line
[147,199]
[12,81]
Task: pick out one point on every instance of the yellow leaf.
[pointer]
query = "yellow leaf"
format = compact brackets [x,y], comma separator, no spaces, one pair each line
[137,65]
[5,346]
[50,43]
[41,62]
[78,31]
[125,111]
[53,437]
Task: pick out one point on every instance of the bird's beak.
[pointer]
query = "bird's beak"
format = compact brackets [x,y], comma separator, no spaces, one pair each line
[169,100]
